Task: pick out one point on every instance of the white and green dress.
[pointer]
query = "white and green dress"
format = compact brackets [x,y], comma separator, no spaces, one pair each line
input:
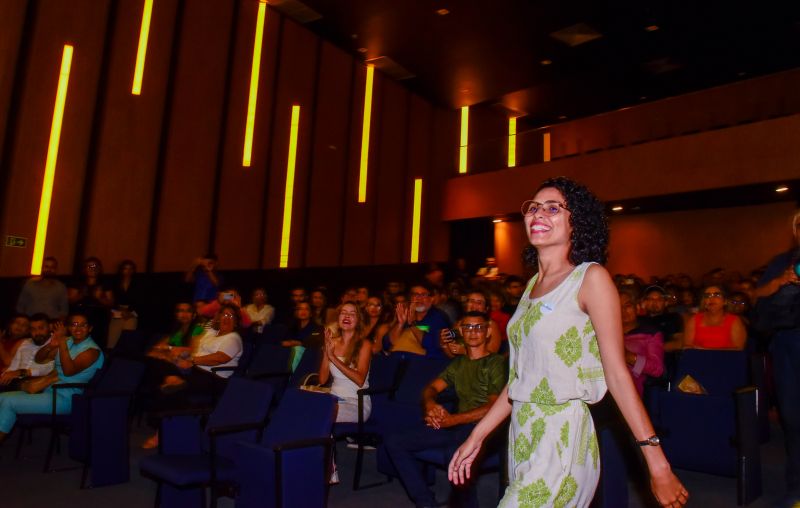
[555,370]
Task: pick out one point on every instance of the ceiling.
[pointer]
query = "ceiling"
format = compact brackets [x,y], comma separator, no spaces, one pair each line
[501,53]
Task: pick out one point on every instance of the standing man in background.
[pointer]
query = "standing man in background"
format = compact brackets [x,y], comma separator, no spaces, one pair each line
[44,294]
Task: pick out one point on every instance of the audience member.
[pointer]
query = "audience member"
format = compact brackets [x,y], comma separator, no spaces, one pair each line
[304,331]
[455,346]
[477,378]
[17,330]
[644,343]
[420,320]
[203,274]
[778,307]
[362,293]
[376,323]
[260,312]
[713,327]
[497,303]
[183,337]
[76,358]
[346,362]
[22,365]
[320,311]
[228,296]
[448,306]
[45,293]
[654,303]
[128,297]
[513,287]
[393,289]
[90,294]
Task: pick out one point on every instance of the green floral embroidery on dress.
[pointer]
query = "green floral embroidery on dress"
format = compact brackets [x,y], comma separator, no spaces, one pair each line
[594,450]
[594,348]
[566,492]
[583,439]
[522,449]
[525,412]
[588,329]
[568,346]
[565,434]
[514,335]
[545,400]
[534,495]
[537,433]
[591,374]
[532,315]
[512,374]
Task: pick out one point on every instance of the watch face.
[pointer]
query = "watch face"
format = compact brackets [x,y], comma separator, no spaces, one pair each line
[654,441]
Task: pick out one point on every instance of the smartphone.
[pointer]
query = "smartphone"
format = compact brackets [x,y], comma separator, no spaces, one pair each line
[227,296]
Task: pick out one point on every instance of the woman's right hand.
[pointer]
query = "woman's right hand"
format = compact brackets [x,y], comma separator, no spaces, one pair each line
[460,465]
[668,489]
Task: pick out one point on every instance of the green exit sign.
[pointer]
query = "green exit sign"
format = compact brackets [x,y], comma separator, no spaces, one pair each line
[16,241]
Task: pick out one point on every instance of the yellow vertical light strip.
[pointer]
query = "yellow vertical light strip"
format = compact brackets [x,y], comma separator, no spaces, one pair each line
[546,147]
[416,220]
[255,70]
[512,142]
[362,175]
[50,164]
[144,33]
[462,150]
[288,193]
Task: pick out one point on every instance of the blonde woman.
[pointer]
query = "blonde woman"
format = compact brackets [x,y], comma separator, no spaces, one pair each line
[346,361]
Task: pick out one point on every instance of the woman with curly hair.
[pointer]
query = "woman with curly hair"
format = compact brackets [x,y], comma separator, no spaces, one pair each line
[566,349]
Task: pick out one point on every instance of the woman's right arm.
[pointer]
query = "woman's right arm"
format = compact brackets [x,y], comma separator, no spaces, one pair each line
[688,333]
[459,470]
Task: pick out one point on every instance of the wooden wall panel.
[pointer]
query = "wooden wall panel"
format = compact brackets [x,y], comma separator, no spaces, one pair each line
[437,127]
[330,156]
[242,189]
[295,86]
[389,174]
[188,177]
[12,19]
[81,23]
[359,234]
[127,147]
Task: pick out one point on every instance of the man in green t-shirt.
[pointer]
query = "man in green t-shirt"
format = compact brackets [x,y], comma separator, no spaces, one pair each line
[477,378]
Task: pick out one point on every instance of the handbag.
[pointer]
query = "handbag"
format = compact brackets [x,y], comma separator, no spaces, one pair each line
[310,387]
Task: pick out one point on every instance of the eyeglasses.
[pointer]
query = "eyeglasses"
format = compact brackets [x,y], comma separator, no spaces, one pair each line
[531,207]
[476,301]
[374,305]
[715,294]
[227,315]
[78,324]
[736,302]
[473,328]
[420,295]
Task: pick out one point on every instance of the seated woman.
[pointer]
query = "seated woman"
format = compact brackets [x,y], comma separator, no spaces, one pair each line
[347,359]
[190,372]
[77,358]
[182,340]
[376,322]
[321,313]
[227,296]
[644,345]
[304,330]
[260,312]
[713,327]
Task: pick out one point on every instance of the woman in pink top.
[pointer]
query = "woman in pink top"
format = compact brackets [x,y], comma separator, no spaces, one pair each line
[644,346]
[713,327]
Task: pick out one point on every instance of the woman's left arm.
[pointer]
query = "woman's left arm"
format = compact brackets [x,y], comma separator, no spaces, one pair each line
[357,374]
[599,298]
[738,334]
[212,359]
[72,366]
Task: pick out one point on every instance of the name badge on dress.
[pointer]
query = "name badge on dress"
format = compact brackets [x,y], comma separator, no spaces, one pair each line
[547,307]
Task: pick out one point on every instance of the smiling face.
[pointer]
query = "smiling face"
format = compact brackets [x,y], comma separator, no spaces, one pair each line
[543,229]
[227,320]
[475,331]
[79,327]
[420,299]
[19,327]
[373,307]
[348,317]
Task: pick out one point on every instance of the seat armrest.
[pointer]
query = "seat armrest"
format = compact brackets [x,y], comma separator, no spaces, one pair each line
[302,443]
[56,387]
[223,369]
[222,430]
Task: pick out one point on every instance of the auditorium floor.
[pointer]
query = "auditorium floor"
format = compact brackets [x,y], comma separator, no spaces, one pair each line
[25,486]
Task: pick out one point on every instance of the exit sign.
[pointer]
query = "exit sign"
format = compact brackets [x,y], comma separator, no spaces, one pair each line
[16,241]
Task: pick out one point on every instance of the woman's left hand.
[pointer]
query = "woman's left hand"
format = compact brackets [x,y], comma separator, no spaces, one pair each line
[669,490]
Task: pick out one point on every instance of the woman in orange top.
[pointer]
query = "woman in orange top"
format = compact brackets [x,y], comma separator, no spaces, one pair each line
[713,327]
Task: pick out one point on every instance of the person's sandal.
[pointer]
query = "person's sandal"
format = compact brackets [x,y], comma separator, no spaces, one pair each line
[151,442]
[172,384]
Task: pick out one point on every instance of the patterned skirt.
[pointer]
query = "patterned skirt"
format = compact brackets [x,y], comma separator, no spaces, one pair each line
[553,457]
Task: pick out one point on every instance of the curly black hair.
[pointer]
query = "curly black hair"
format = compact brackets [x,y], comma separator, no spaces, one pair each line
[589,238]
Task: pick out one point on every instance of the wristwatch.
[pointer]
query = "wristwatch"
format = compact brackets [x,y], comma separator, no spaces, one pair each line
[650,441]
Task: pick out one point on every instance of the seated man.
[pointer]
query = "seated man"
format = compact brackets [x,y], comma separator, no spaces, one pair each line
[670,324]
[23,365]
[304,331]
[477,377]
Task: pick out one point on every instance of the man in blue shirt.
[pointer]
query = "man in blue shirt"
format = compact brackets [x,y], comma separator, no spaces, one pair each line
[425,321]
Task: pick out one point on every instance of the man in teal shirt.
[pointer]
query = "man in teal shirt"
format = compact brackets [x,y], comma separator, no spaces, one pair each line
[477,378]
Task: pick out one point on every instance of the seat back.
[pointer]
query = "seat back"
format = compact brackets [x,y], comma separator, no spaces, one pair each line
[383,371]
[720,372]
[131,344]
[417,372]
[269,358]
[121,375]
[309,363]
[243,401]
[272,333]
[302,415]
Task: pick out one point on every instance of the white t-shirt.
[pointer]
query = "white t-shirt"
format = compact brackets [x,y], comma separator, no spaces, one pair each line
[230,344]
[24,359]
